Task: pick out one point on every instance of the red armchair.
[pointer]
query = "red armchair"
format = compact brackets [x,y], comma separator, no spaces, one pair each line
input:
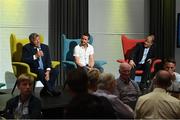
[128,45]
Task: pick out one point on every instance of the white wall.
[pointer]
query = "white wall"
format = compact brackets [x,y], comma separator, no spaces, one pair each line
[21,17]
[177,50]
[108,19]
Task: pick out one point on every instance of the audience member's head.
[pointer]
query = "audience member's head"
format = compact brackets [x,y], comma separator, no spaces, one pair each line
[85,106]
[77,81]
[124,70]
[25,84]
[163,79]
[169,65]
[93,76]
[106,82]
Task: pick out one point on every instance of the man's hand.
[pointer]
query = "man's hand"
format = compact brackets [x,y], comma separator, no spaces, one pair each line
[39,53]
[173,77]
[131,62]
[89,68]
[47,75]
[149,61]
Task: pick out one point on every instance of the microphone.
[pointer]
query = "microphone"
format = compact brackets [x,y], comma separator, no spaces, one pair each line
[38,48]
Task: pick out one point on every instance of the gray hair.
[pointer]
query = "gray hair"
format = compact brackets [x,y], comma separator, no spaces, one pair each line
[105,79]
[32,36]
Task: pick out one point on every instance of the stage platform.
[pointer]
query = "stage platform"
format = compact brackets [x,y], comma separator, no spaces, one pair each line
[52,107]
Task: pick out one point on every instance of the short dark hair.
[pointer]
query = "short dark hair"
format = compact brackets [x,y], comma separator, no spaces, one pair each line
[171,60]
[86,34]
[89,106]
[77,80]
[32,36]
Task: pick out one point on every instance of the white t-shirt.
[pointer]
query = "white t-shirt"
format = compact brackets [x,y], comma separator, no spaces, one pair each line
[79,51]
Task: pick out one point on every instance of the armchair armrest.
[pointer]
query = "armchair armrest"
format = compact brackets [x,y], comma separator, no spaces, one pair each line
[55,64]
[71,63]
[24,67]
[100,62]
[122,60]
[156,61]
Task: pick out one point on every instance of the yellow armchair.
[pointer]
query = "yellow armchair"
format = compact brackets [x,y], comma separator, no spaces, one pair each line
[19,67]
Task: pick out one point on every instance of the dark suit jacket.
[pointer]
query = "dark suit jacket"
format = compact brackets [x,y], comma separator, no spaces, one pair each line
[27,56]
[34,107]
[137,53]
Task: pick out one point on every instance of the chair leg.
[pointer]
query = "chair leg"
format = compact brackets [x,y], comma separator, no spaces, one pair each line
[14,87]
[34,85]
[64,85]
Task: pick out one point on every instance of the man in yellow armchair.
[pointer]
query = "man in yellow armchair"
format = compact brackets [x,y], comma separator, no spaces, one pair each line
[37,55]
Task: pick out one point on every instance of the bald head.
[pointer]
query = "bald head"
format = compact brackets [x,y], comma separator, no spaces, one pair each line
[124,66]
[124,70]
[163,79]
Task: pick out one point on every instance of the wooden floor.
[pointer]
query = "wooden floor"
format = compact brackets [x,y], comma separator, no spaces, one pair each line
[52,107]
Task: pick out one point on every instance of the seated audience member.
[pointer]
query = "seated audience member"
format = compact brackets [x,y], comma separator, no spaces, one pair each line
[84,54]
[170,65]
[77,83]
[37,55]
[141,59]
[25,105]
[106,85]
[88,106]
[158,104]
[93,76]
[127,89]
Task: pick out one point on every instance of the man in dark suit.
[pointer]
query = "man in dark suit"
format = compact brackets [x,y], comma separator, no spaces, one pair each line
[37,56]
[141,59]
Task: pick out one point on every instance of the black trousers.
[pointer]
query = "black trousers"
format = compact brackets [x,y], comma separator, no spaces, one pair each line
[50,84]
[146,73]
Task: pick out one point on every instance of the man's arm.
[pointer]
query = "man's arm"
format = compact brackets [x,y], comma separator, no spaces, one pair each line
[134,52]
[133,55]
[27,55]
[91,61]
[77,61]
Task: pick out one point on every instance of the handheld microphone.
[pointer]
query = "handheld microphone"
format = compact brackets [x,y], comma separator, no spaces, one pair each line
[38,48]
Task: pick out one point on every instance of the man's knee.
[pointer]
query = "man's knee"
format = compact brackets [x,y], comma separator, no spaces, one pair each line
[54,72]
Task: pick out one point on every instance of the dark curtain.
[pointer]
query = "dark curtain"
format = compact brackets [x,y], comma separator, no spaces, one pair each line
[69,17]
[162,25]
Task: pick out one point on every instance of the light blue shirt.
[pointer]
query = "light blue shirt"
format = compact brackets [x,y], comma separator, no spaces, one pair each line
[146,50]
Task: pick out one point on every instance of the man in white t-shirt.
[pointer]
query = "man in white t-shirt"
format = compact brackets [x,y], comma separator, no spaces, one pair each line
[84,53]
[170,65]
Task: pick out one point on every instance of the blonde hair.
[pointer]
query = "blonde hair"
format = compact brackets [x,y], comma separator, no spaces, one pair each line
[105,79]
[25,77]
